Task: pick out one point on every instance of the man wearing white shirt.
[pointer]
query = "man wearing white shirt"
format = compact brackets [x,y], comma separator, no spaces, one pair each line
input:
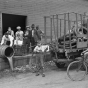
[10,31]
[7,40]
[40,51]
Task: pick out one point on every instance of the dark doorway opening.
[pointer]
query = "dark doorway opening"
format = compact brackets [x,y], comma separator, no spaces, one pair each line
[12,20]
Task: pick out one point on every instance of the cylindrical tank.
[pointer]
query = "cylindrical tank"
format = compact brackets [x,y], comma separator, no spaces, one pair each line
[6,51]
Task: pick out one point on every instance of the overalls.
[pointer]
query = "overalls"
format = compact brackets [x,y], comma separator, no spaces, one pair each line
[40,63]
[40,52]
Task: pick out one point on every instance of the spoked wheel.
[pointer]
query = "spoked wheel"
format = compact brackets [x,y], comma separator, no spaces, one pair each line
[77,70]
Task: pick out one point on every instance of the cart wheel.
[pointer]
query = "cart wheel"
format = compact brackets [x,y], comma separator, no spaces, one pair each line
[60,65]
[75,70]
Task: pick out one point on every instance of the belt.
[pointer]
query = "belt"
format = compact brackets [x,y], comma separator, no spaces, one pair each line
[38,52]
[25,37]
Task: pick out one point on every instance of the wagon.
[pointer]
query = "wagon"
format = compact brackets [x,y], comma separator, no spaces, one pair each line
[69,33]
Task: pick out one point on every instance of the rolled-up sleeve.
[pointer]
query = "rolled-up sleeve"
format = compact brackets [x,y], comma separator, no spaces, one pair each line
[2,41]
[45,48]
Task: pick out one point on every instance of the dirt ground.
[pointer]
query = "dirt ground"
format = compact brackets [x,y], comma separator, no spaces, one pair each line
[55,78]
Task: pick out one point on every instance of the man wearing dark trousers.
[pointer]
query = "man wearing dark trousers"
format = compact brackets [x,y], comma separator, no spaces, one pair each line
[27,37]
[32,40]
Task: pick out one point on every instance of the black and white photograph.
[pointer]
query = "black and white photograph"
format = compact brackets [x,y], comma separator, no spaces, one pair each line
[43,43]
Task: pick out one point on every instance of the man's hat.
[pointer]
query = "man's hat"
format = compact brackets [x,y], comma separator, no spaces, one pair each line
[32,26]
[27,26]
[18,27]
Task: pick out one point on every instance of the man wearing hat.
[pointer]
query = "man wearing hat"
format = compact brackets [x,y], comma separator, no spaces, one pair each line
[32,40]
[7,40]
[27,37]
[19,36]
[10,32]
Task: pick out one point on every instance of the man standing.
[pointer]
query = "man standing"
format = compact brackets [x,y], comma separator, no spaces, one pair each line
[7,40]
[39,33]
[36,35]
[32,40]
[27,37]
[40,51]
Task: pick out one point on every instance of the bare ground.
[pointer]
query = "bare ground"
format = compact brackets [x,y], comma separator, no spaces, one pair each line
[55,78]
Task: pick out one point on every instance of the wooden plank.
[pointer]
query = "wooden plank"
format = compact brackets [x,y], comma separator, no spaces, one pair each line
[62,60]
[24,56]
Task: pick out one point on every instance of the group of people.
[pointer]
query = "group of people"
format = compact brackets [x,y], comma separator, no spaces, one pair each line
[31,37]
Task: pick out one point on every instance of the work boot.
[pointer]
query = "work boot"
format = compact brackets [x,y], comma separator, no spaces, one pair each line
[43,75]
[42,72]
[37,73]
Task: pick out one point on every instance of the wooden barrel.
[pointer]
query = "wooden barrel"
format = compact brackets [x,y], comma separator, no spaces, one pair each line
[6,51]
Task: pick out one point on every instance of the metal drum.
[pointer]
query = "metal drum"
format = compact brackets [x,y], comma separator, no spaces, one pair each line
[6,51]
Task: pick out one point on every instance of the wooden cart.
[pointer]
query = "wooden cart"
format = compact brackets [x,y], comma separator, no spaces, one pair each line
[69,32]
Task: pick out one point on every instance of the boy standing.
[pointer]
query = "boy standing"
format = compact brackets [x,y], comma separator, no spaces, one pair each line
[40,51]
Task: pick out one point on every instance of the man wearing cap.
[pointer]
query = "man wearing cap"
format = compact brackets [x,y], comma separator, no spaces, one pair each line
[27,37]
[7,40]
[10,32]
[39,33]
[32,40]
[19,37]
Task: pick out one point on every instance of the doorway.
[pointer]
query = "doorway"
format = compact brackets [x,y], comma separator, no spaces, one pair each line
[12,20]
